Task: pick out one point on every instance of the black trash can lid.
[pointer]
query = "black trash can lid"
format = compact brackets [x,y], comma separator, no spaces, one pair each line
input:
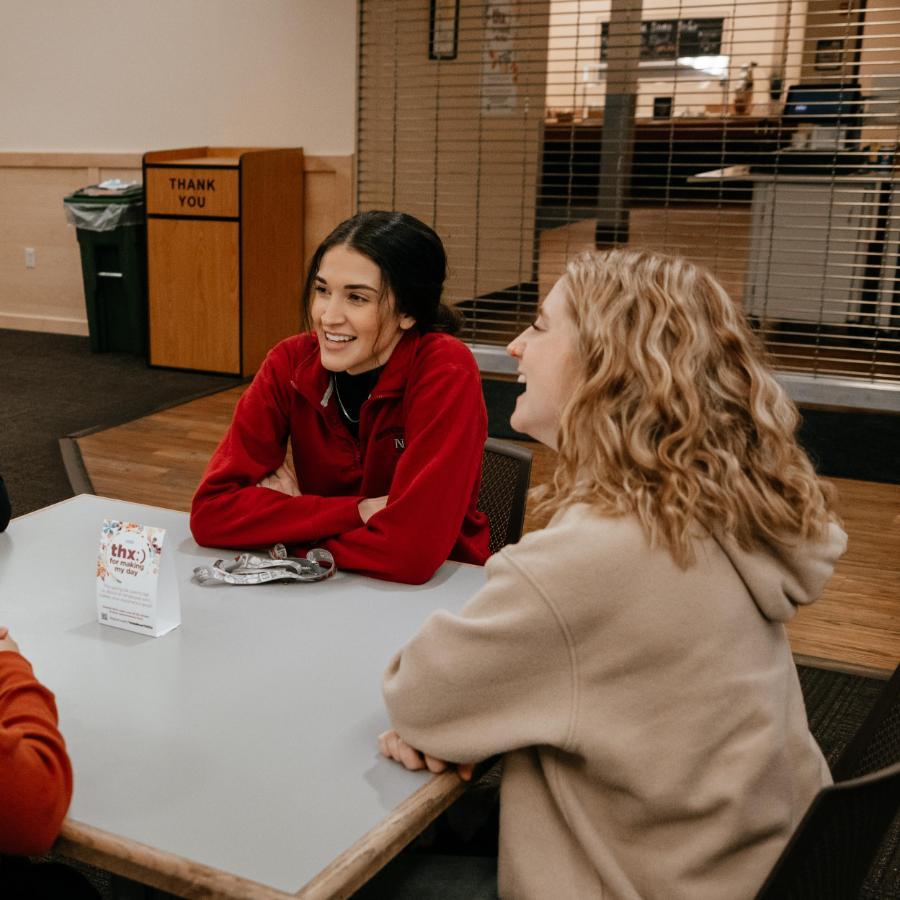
[108,192]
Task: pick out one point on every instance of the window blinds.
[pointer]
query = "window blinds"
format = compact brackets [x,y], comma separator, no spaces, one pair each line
[757,138]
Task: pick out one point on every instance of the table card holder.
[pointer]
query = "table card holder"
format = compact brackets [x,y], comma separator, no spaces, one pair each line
[136,585]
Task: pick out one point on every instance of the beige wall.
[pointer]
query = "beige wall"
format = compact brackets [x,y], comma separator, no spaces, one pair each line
[133,75]
[762,32]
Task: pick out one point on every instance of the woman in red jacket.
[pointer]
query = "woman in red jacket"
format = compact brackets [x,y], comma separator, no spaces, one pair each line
[383,410]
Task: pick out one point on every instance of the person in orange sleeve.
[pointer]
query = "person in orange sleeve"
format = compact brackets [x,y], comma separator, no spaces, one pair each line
[35,774]
[35,783]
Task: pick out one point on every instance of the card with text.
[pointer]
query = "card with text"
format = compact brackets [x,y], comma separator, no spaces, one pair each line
[136,585]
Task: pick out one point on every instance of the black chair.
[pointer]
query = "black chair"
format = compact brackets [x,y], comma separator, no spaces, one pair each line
[832,851]
[505,472]
[877,743]
[5,509]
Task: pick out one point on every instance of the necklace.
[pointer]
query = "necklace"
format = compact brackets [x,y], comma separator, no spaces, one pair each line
[337,394]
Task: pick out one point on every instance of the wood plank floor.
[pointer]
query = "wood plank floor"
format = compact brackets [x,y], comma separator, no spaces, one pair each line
[159,459]
[680,230]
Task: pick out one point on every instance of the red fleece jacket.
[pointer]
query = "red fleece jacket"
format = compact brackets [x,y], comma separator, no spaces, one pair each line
[421,439]
[35,773]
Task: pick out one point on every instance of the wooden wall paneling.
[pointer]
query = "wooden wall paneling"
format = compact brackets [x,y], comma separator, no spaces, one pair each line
[41,160]
[271,250]
[32,215]
[328,198]
[192,271]
[49,297]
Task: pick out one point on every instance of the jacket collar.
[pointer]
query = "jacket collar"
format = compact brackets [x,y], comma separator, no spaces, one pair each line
[313,380]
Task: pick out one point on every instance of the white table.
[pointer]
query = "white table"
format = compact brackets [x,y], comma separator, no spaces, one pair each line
[239,751]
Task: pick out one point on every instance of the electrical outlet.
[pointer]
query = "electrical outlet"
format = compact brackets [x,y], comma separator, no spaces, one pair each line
[30,257]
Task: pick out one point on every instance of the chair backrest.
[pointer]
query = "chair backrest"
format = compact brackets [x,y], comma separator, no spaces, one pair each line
[829,855]
[505,473]
[876,744]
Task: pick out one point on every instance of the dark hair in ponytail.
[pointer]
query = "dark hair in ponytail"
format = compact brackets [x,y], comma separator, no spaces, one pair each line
[412,261]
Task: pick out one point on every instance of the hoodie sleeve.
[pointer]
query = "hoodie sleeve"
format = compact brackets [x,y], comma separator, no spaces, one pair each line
[35,773]
[497,677]
[228,509]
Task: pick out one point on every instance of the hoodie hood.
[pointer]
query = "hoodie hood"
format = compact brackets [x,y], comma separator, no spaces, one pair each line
[781,577]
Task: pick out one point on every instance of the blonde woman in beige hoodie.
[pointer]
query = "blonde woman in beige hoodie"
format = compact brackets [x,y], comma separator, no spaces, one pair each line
[630,660]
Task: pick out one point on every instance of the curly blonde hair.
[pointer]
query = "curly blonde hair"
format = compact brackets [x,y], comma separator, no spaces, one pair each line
[676,417]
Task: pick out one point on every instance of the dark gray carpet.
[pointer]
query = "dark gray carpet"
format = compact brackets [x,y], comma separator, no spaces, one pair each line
[836,705]
[54,386]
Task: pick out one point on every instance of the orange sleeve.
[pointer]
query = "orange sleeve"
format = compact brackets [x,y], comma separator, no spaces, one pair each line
[35,773]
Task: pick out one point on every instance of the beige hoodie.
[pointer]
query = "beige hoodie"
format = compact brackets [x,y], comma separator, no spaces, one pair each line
[654,732]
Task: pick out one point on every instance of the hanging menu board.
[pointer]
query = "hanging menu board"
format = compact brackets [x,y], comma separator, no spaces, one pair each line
[671,38]
[700,37]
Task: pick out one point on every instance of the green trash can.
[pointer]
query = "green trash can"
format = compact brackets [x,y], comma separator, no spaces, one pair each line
[112,235]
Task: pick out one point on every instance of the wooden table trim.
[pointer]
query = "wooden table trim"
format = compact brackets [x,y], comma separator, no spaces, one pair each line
[154,867]
[339,879]
[356,865]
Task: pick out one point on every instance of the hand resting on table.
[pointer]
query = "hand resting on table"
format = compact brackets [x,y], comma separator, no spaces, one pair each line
[391,745]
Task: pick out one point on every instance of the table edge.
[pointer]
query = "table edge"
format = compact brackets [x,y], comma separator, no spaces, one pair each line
[158,868]
[347,872]
[187,878]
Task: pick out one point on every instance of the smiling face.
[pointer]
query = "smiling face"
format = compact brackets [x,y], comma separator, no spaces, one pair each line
[546,352]
[357,328]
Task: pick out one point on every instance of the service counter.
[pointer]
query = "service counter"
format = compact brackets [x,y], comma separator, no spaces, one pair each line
[667,152]
[823,247]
